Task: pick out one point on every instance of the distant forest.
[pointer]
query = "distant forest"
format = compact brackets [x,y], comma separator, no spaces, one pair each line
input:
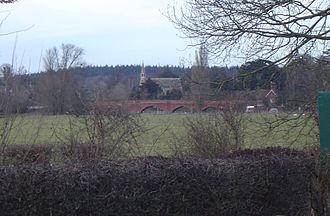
[218,76]
[67,89]
[131,73]
[152,71]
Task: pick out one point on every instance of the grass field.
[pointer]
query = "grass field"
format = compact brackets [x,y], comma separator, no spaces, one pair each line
[161,131]
[260,131]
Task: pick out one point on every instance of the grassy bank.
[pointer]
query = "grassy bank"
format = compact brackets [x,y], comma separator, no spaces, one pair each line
[161,131]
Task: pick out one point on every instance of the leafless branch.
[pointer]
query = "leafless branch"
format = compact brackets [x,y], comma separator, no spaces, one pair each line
[251,28]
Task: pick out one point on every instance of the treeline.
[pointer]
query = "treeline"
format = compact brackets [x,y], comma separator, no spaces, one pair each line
[131,70]
[66,89]
[228,78]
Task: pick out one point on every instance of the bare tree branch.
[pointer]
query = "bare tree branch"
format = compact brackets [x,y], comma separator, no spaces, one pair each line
[267,29]
[7,1]
[63,58]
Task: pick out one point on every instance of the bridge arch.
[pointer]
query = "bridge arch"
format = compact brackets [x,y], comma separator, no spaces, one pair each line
[210,109]
[182,109]
[151,109]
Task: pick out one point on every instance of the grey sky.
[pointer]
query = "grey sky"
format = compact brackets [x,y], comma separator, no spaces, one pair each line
[111,31]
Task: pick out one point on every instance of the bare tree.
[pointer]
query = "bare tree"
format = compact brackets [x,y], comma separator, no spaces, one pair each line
[58,87]
[306,76]
[14,96]
[14,92]
[119,92]
[64,57]
[268,29]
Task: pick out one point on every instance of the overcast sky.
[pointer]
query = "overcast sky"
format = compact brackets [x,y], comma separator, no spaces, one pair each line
[112,32]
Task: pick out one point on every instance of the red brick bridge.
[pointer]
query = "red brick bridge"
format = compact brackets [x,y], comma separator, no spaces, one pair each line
[169,106]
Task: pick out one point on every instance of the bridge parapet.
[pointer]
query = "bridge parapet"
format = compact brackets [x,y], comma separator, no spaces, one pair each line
[168,106]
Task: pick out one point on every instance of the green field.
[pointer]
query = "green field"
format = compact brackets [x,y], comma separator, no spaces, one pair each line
[260,131]
[162,131]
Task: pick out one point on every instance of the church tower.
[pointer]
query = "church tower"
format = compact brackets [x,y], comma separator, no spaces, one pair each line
[142,75]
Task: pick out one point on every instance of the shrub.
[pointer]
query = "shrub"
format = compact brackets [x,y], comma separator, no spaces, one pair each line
[273,183]
[105,131]
[211,135]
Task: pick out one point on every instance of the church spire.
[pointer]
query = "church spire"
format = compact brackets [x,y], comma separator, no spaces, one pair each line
[142,74]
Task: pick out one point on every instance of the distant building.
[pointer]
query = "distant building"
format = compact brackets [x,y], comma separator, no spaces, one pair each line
[142,75]
[271,96]
[166,84]
[261,100]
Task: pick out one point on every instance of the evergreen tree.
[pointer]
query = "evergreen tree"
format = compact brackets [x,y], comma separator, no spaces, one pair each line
[200,80]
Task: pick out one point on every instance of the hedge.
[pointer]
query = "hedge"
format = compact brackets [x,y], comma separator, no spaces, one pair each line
[271,182]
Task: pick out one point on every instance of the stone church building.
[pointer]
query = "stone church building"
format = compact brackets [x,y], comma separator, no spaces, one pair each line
[166,84]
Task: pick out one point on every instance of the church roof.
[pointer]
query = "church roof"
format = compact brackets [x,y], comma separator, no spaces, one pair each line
[168,83]
[270,93]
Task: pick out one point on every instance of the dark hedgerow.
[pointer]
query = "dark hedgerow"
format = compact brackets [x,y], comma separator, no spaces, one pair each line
[273,184]
[27,154]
